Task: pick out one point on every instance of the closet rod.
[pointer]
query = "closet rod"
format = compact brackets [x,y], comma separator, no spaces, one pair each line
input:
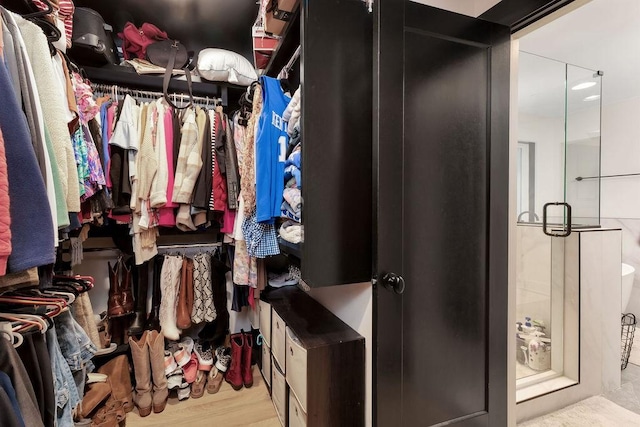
[101,87]
[285,70]
[161,247]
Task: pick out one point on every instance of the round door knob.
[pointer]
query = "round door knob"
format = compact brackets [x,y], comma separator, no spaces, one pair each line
[393,282]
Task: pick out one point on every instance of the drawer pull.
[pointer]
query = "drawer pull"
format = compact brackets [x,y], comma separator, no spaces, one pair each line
[291,350]
[277,325]
[296,411]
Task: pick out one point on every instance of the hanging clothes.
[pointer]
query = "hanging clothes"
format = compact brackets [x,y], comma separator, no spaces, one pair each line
[271,147]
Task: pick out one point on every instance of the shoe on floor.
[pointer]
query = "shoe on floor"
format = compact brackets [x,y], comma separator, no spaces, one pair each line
[170,364]
[223,358]
[185,348]
[184,391]
[190,370]
[205,357]
[214,381]
[175,379]
[197,388]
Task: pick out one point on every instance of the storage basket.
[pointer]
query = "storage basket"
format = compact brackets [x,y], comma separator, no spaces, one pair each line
[628,330]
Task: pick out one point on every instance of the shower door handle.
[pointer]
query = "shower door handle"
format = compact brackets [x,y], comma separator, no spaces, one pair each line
[545,228]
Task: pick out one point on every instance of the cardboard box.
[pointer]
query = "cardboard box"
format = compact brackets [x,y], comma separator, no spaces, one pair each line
[279,13]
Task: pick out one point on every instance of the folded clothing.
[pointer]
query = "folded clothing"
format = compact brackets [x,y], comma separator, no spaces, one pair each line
[294,198]
[288,212]
[291,232]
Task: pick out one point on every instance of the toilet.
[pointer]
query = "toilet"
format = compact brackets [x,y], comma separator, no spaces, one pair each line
[628,273]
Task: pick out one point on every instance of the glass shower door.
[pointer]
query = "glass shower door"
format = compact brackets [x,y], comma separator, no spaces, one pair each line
[558,168]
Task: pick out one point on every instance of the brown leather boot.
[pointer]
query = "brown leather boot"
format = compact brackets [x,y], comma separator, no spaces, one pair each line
[142,370]
[127,294]
[153,322]
[96,394]
[137,327]
[118,371]
[183,312]
[114,305]
[155,341]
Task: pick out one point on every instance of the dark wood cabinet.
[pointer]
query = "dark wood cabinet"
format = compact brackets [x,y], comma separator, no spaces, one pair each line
[317,368]
[335,76]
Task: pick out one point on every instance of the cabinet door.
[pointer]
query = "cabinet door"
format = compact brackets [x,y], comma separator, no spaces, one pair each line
[441,140]
[336,132]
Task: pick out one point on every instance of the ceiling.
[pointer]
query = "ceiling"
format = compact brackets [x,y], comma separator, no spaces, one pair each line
[601,35]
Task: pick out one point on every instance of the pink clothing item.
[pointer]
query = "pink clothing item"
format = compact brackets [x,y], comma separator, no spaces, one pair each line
[65,13]
[167,216]
[111,117]
[5,217]
[121,218]
[229,220]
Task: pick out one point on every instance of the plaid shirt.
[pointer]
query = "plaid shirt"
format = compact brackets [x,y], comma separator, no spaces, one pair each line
[262,240]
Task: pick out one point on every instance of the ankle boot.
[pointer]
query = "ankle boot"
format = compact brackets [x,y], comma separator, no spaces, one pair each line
[247,350]
[153,322]
[137,327]
[142,370]
[156,356]
[118,371]
[234,374]
[127,294]
[183,312]
[114,305]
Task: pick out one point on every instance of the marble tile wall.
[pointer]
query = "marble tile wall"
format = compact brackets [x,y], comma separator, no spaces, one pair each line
[592,260]
[630,254]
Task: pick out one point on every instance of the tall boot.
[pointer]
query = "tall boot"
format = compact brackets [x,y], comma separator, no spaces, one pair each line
[247,350]
[118,371]
[137,327]
[153,322]
[142,370]
[234,374]
[114,305]
[156,356]
[127,294]
[170,284]
[183,312]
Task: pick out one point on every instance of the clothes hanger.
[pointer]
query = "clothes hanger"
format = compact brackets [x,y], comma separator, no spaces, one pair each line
[40,12]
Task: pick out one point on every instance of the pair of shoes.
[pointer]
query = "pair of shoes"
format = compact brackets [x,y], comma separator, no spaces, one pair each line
[119,377]
[240,373]
[205,364]
[120,301]
[148,365]
[216,374]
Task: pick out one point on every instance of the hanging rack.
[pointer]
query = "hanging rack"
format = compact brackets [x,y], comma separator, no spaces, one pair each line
[115,90]
[163,248]
[284,73]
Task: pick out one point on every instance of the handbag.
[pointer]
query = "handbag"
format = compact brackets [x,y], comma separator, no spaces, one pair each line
[137,40]
[158,53]
[172,55]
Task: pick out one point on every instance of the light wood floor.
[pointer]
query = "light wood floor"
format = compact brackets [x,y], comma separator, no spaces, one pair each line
[246,407]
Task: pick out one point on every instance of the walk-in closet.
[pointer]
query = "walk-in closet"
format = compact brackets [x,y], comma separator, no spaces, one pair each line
[176,179]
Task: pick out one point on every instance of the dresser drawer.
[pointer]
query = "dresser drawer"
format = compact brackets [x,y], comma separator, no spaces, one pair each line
[296,361]
[266,363]
[278,340]
[265,321]
[279,392]
[297,417]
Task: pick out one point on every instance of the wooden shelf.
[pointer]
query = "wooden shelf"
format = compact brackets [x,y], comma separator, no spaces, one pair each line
[125,76]
[289,248]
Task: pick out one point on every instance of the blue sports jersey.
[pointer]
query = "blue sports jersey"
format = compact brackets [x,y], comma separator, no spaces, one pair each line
[271,151]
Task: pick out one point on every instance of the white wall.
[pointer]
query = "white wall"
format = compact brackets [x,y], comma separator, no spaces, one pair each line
[466,7]
[353,304]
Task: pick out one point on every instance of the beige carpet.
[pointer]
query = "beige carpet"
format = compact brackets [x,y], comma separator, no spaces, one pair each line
[593,412]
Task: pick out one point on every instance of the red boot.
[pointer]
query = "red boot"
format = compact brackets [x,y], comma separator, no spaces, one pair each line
[247,373]
[234,374]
